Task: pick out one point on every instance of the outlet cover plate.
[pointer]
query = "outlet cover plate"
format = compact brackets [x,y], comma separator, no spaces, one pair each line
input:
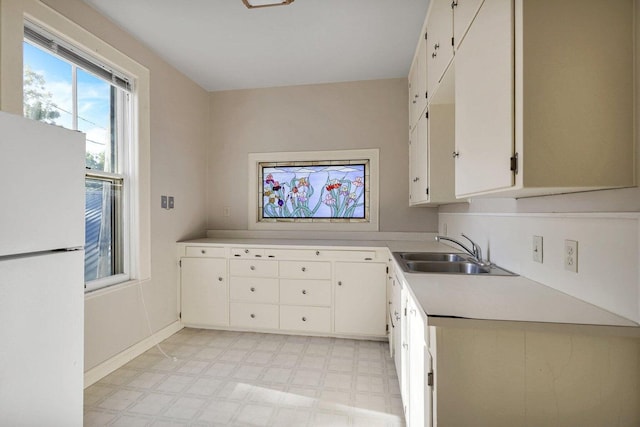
[537,249]
[571,255]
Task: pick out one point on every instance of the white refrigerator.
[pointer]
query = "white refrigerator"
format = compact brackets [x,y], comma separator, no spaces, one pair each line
[41,273]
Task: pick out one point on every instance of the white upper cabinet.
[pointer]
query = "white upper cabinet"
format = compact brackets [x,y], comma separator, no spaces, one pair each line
[463,13]
[439,41]
[484,102]
[419,162]
[418,84]
[544,97]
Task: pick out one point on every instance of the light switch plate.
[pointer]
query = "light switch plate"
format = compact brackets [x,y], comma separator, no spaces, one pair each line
[163,202]
[571,255]
[537,249]
[171,202]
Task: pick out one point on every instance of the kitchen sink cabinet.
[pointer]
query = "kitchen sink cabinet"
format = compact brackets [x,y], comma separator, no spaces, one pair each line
[359,298]
[204,291]
[539,109]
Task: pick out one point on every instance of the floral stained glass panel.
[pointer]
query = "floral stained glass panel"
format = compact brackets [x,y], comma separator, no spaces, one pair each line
[314,191]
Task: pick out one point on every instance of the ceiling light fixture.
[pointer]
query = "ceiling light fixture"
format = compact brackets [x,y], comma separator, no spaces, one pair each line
[254,4]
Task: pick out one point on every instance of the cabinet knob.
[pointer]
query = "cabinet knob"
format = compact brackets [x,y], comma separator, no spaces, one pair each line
[304,292]
[339,283]
[203,251]
[246,251]
[304,268]
[456,154]
[436,46]
[252,289]
[434,54]
[304,319]
[317,253]
[416,96]
[404,344]
[252,268]
[253,316]
[220,279]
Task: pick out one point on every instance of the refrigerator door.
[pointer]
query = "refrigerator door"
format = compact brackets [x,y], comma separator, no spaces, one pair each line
[42,186]
[41,356]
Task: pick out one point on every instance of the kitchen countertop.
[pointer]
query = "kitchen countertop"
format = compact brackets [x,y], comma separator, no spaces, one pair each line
[495,298]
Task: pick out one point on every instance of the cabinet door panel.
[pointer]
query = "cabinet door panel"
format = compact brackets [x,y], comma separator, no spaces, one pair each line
[204,292]
[305,270]
[360,298]
[463,14]
[254,316]
[484,109]
[310,319]
[439,49]
[305,292]
[254,289]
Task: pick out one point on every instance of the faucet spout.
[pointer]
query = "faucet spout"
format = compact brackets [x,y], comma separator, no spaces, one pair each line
[475,251]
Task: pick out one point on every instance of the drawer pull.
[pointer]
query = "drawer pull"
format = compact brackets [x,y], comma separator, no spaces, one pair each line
[219,279]
[339,283]
[368,259]
[252,267]
[304,269]
[237,255]
[304,292]
[253,316]
[258,256]
[252,289]
[203,251]
[304,319]
[272,256]
[317,253]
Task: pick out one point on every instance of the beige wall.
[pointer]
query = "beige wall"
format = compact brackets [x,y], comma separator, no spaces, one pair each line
[337,116]
[114,319]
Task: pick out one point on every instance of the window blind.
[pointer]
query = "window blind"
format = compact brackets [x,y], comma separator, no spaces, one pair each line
[53,44]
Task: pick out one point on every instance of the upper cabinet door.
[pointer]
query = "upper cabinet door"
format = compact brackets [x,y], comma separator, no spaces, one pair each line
[463,13]
[484,109]
[439,48]
[418,84]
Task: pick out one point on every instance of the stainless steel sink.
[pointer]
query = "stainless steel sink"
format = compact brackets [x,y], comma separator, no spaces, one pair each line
[446,267]
[446,263]
[433,256]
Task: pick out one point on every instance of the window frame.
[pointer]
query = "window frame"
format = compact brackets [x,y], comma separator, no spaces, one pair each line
[120,241]
[255,189]
[12,16]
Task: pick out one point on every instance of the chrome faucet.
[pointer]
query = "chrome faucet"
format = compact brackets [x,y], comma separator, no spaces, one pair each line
[475,251]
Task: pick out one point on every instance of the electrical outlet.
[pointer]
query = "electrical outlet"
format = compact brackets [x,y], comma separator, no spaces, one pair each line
[163,202]
[571,255]
[537,249]
[171,202]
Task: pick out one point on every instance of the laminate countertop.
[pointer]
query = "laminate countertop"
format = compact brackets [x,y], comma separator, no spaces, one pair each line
[494,298]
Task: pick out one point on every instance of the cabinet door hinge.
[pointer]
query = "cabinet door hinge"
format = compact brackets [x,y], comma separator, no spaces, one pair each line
[426,191]
[180,263]
[387,327]
[430,379]
[426,115]
[180,315]
[387,270]
[453,41]
[426,95]
[454,3]
[514,163]
[425,35]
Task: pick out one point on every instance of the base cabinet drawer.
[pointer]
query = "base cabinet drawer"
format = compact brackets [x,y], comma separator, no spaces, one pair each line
[253,268]
[309,319]
[305,270]
[254,289]
[305,292]
[258,316]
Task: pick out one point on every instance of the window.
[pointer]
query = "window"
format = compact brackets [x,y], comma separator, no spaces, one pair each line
[66,87]
[314,190]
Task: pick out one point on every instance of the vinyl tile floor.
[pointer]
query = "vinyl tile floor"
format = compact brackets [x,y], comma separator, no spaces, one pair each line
[224,378]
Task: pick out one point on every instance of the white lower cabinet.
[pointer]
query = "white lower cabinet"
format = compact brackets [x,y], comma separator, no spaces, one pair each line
[204,292]
[338,291]
[359,298]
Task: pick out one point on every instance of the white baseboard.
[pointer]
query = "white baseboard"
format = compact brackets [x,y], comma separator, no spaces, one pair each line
[95,374]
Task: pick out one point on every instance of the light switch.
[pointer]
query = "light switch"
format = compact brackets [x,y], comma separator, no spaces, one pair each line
[163,202]
[171,202]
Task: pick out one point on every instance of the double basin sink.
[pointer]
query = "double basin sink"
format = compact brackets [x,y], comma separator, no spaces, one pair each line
[446,263]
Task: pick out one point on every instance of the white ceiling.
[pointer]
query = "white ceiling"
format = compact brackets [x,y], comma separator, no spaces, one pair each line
[222,45]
